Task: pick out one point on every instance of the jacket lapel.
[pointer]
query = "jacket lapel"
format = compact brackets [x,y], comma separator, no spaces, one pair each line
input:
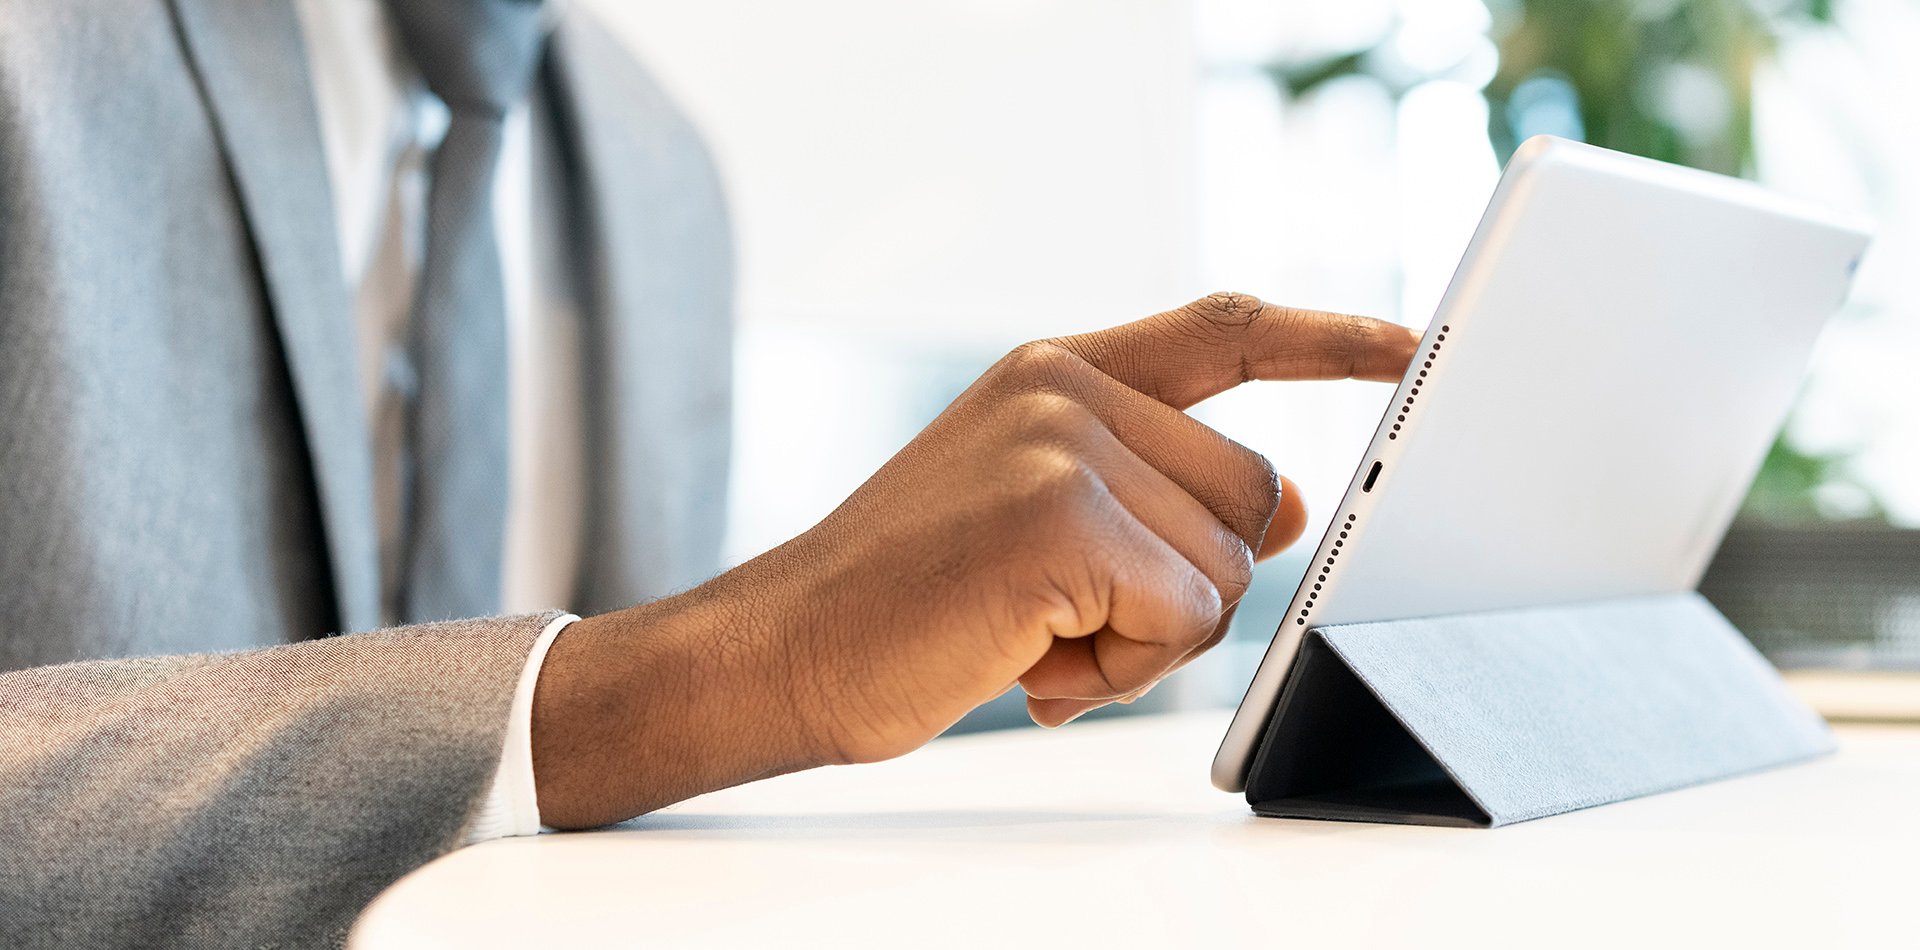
[654,251]
[252,68]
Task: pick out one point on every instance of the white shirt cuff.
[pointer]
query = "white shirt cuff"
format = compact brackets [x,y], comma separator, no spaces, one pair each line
[511,807]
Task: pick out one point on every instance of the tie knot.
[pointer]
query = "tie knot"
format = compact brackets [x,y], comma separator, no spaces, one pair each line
[476,55]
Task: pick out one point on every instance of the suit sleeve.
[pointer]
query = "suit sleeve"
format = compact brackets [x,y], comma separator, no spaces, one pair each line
[244,799]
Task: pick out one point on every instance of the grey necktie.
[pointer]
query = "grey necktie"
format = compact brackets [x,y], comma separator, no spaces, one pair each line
[479,57]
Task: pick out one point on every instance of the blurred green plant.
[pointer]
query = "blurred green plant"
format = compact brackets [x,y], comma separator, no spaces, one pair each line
[1793,482]
[1671,80]
[1667,79]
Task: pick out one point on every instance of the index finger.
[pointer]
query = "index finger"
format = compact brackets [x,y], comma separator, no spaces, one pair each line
[1220,341]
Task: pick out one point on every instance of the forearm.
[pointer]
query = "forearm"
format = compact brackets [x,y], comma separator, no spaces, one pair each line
[651,705]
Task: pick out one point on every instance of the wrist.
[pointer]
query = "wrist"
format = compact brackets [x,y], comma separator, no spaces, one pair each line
[644,707]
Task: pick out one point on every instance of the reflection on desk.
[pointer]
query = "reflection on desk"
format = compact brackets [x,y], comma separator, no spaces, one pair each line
[1107,834]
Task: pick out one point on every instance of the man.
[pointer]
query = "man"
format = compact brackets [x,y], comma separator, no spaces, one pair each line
[323,315]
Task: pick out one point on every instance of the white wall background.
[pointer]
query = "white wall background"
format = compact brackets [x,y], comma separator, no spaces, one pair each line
[917,188]
[974,166]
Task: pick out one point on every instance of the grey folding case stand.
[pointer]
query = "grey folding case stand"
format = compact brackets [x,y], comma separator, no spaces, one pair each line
[1492,718]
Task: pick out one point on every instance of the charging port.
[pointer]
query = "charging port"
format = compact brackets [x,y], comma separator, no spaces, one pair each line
[1373,475]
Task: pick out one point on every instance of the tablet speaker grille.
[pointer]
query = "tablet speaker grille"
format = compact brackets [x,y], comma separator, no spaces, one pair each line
[1419,380]
[1317,574]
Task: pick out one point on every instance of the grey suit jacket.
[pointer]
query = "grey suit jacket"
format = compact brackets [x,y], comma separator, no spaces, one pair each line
[185,468]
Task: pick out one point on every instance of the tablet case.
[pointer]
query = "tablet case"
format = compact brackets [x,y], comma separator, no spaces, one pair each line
[1491,718]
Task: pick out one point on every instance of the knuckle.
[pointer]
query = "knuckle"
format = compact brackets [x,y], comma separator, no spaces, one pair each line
[1221,321]
[1225,309]
[1246,520]
[1060,488]
[1049,418]
[1235,571]
[1065,473]
[1034,364]
[1208,605]
[1253,494]
[1261,478]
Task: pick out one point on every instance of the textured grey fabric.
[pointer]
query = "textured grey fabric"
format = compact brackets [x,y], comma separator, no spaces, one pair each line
[658,272]
[479,57]
[185,468]
[184,459]
[246,799]
[1525,713]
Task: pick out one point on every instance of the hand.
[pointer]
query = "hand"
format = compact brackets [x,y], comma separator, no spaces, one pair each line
[1062,526]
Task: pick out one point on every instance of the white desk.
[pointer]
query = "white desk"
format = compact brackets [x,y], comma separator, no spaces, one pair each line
[1106,834]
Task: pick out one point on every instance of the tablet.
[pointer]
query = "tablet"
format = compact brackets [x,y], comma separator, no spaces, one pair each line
[1603,377]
